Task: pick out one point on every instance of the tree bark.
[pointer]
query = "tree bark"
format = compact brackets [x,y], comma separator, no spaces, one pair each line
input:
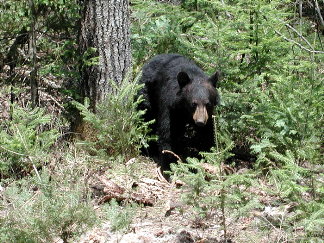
[104,34]
[33,52]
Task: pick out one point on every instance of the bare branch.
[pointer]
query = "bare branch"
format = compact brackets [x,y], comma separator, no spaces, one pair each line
[13,152]
[319,12]
[30,158]
[298,44]
[300,35]
[170,152]
[41,93]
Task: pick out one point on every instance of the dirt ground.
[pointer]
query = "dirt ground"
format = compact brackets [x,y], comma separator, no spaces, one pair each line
[168,219]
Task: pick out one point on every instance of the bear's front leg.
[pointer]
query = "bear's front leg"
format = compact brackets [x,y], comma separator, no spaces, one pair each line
[164,141]
[206,138]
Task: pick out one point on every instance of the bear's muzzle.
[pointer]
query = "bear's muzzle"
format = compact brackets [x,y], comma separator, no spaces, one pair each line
[200,116]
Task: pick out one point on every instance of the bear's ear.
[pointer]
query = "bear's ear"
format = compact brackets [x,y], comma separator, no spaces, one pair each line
[214,79]
[183,79]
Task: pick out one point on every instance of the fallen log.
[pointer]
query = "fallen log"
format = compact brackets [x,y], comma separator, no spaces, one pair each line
[113,191]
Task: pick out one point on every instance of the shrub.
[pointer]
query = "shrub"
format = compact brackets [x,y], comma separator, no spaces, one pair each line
[42,209]
[25,142]
[120,217]
[118,128]
[212,189]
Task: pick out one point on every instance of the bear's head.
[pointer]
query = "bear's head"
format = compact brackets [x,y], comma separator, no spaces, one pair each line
[199,95]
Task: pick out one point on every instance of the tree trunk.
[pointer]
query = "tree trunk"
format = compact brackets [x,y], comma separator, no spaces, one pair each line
[104,34]
[32,53]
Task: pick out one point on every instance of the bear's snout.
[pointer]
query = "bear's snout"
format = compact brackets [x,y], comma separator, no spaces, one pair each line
[200,116]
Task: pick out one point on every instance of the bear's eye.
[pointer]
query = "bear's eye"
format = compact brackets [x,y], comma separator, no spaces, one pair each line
[208,105]
[193,104]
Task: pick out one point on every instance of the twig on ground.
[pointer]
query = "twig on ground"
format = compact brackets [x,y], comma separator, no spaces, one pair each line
[160,176]
[170,152]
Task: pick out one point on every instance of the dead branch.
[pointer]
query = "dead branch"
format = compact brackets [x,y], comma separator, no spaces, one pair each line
[170,152]
[50,97]
[298,44]
[300,35]
[49,83]
[318,11]
[114,191]
[160,176]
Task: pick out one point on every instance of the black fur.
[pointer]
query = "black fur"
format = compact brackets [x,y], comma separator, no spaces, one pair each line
[174,88]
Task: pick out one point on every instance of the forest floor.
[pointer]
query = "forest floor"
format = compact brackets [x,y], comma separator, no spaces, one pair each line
[168,219]
[161,215]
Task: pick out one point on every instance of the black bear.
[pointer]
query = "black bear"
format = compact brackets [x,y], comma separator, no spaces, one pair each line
[181,98]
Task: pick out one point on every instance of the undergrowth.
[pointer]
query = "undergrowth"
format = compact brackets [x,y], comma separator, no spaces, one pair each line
[25,142]
[118,127]
[44,209]
[120,216]
[219,192]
